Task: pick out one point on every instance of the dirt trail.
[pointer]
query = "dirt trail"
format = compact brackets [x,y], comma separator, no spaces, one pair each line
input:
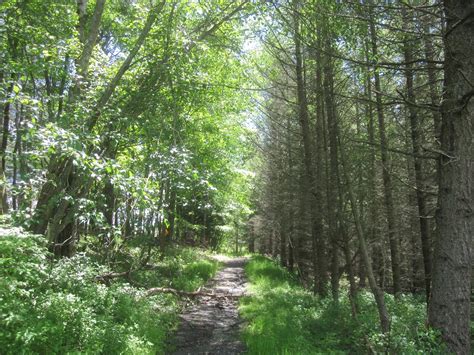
[212,324]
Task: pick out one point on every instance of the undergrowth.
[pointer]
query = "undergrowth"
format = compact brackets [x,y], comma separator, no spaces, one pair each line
[57,307]
[284,318]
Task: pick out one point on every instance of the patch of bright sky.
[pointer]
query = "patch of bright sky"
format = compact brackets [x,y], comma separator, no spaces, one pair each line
[252,46]
[245,172]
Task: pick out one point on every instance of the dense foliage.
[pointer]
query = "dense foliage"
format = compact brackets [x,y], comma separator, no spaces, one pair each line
[61,307]
[123,120]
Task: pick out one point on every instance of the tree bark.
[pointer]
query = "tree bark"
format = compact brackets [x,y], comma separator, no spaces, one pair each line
[90,41]
[415,126]
[334,217]
[450,306]
[17,152]
[321,154]
[387,179]
[291,197]
[316,225]
[3,148]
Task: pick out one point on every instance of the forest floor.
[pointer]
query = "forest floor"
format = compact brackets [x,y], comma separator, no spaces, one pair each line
[212,324]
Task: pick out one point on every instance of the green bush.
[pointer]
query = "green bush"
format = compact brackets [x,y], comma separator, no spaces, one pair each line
[55,307]
[408,333]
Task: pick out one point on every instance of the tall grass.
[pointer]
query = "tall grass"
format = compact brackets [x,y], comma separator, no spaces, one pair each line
[284,318]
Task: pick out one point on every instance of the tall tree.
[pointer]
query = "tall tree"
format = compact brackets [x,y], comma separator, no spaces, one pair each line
[450,304]
[385,158]
[315,207]
[415,126]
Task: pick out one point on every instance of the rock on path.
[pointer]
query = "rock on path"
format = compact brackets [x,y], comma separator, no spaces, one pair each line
[212,324]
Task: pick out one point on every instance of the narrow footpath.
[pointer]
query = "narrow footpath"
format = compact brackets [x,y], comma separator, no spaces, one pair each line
[212,324]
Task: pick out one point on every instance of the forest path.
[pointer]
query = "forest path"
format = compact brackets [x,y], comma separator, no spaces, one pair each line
[212,324]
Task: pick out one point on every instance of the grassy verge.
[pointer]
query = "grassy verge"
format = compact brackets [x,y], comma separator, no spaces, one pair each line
[58,307]
[284,318]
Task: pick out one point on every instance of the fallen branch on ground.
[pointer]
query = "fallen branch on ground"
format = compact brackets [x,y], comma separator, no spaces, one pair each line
[105,278]
[155,290]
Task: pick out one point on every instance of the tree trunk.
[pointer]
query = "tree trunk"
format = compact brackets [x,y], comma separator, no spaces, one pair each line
[377,292]
[17,153]
[283,244]
[450,305]
[291,197]
[415,126]
[3,149]
[316,225]
[172,213]
[332,198]
[387,179]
